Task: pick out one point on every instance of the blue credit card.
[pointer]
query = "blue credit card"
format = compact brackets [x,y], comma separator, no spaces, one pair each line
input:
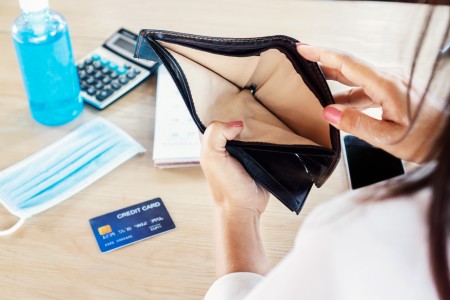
[131,224]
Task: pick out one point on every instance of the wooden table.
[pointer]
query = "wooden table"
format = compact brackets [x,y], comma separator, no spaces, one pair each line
[55,254]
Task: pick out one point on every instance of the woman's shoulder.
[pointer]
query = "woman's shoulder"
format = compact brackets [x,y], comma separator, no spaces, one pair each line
[359,213]
[375,245]
[365,206]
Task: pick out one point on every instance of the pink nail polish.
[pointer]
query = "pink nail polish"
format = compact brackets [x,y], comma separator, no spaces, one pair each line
[302,44]
[332,114]
[235,124]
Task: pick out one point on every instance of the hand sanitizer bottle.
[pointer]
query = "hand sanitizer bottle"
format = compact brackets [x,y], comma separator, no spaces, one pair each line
[41,39]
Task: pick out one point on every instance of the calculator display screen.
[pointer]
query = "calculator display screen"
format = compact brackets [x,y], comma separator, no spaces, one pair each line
[124,44]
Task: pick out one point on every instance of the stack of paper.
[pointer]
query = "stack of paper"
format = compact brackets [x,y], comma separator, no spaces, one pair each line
[176,141]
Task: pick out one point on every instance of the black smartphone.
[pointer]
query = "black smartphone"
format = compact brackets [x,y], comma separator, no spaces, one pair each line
[367,164]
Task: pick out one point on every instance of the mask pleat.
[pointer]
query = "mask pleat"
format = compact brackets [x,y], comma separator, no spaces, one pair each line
[55,169]
[81,140]
[68,170]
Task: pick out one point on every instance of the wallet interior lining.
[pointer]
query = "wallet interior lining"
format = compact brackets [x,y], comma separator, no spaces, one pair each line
[282,109]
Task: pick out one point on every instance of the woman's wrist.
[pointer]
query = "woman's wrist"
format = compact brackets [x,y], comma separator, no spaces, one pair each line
[228,211]
[239,246]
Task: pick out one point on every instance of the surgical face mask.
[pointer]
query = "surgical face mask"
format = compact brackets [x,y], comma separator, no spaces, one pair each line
[62,169]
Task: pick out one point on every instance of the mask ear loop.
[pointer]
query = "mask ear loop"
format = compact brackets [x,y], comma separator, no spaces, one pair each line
[13,228]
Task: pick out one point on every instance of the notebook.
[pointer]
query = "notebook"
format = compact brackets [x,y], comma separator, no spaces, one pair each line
[176,138]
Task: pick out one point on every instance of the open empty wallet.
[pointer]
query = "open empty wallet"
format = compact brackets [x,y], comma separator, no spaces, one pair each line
[285,145]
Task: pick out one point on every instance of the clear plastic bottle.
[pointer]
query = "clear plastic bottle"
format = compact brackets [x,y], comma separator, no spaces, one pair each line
[41,39]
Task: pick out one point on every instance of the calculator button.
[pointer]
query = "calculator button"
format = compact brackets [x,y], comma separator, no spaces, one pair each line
[81,66]
[95,57]
[82,75]
[102,95]
[90,70]
[104,61]
[83,86]
[98,75]
[88,61]
[97,64]
[113,75]
[121,70]
[136,71]
[106,80]
[131,75]
[105,70]
[90,80]
[123,79]
[127,67]
[115,85]
[98,85]
[113,66]
[90,91]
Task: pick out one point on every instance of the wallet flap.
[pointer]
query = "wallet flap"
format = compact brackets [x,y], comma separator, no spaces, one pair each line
[282,174]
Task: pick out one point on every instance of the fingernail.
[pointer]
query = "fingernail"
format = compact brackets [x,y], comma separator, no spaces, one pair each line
[302,44]
[332,114]
[235,124]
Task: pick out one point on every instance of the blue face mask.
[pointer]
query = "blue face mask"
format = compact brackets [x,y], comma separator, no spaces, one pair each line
[62,169]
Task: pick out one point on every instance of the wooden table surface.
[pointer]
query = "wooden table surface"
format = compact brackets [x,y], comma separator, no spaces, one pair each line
[55,256]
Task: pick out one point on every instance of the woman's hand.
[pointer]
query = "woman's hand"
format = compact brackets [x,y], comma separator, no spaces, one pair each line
[372,87]
[239,202]
[231,186]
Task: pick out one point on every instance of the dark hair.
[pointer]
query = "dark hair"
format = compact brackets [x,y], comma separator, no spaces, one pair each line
[438,179]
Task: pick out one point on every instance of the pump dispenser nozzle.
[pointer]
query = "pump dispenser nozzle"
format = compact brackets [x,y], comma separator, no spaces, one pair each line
[33,5]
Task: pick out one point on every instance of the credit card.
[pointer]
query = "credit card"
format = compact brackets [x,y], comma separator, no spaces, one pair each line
[131,224]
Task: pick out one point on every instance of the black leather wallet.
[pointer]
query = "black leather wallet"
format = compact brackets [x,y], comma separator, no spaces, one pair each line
[285,145]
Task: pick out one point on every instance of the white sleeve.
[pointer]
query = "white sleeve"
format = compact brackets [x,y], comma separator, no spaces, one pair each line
[233,286]
[348,249]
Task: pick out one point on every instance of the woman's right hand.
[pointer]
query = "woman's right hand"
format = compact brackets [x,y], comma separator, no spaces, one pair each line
[373,87]
[231,186]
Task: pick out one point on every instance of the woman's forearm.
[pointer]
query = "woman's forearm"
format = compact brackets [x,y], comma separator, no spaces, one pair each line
[239,246]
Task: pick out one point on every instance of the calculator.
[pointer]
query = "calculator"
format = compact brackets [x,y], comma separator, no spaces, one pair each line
[111,71]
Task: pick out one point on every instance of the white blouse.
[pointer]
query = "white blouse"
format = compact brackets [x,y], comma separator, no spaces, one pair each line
[348,249]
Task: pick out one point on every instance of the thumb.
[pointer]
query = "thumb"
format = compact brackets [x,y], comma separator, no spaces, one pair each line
[218,133]
[353,121]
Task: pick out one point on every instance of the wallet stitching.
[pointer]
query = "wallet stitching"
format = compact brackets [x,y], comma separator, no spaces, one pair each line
[281,146]
[218,39]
